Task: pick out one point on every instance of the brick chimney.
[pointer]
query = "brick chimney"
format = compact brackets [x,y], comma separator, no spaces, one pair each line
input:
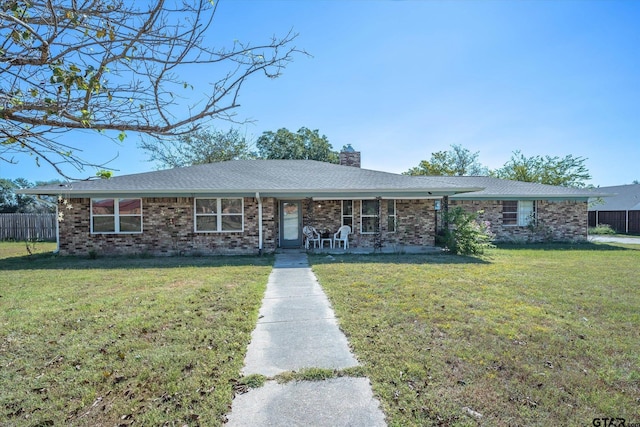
[349,156]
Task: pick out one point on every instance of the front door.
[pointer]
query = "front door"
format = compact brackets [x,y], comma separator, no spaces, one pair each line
[290,224]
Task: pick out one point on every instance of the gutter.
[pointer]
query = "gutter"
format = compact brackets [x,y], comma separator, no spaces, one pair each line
[529,196]
[269,192]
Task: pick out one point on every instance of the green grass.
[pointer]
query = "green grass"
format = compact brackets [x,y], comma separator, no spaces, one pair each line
[538,335]
[524,336]
[118,341]
[319,374]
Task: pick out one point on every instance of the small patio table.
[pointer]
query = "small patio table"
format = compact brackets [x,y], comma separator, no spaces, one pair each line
[326,239]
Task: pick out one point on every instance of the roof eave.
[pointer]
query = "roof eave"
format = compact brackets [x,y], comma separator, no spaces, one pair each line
[437,192]
[471,196]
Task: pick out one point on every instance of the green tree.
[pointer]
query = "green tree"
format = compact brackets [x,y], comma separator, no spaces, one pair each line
[568,171]
[200,147]
[113,65]
[10,202]
[303,145]
[7,196]
[458,161]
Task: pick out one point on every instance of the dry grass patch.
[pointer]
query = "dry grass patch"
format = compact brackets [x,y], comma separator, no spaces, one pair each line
[548,335]
[118,341]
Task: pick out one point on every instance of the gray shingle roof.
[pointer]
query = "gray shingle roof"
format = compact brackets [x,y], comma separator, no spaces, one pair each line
[502,188]
[622,198]
[300,178]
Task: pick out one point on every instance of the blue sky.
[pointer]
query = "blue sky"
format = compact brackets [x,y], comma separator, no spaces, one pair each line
[402,79]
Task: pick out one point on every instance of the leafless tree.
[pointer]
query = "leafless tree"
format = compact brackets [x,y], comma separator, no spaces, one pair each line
[114,65]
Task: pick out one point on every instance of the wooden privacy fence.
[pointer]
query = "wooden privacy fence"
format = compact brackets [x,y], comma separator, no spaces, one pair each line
[620,221]
[27,226]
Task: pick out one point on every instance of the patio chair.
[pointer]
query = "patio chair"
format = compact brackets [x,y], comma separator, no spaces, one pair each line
[342,236]
[311,235]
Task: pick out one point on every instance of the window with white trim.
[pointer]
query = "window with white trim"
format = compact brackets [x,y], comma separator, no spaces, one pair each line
[223,215]
[368,216]
[347,213]
[391,216]
[111,215]
[518,212]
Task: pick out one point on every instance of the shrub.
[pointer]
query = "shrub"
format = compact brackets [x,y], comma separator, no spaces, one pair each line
[465,235]
[602,229]
[539,231]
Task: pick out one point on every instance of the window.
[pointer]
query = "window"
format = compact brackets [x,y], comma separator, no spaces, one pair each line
[116,215]
[518,212]
[347,213]
[219,215]
[369,221]
[391,216]
[368,216]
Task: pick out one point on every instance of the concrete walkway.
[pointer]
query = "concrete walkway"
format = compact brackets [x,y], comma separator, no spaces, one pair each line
[615,239]
[297,329]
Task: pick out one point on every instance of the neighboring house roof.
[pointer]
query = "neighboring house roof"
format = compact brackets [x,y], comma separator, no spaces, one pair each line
[270,178]
[621,198]
[504,189]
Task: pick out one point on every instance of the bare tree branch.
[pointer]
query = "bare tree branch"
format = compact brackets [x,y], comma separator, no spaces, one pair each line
[116,65]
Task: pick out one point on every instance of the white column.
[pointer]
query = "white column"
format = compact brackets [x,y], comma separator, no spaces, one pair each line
[57,229]
[259,221]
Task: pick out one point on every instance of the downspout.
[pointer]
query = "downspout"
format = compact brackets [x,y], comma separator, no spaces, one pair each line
[259,222]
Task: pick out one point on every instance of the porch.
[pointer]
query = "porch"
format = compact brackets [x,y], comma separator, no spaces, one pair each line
[382,225]
[365,250]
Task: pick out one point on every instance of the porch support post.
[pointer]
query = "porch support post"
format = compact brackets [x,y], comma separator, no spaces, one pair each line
[445,211]
[57,220]
[259,222]
[310,215]
[377,239]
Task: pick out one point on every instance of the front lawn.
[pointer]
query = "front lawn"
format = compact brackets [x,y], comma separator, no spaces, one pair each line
[545,335]
[119,341]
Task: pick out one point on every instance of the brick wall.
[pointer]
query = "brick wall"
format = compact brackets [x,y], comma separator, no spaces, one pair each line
[324,215]
[168,229]
[415,222]
[557,220]
[350,158]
